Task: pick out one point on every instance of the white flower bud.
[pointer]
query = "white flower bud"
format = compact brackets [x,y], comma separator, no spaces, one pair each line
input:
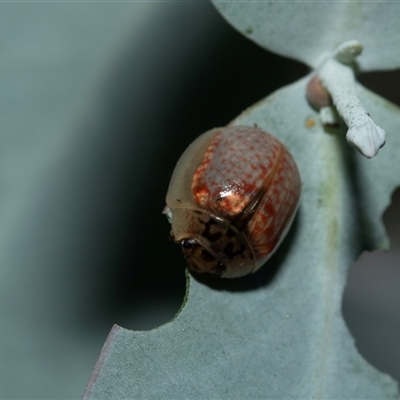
[339,80]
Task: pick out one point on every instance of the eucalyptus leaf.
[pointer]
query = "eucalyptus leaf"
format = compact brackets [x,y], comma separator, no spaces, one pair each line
[278,333]
[308,31]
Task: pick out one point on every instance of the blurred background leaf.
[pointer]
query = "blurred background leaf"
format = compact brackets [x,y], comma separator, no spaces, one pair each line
[309,31]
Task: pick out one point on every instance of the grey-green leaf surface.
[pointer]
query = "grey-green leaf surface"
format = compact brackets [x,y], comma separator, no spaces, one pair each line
[308,31]
[278,333]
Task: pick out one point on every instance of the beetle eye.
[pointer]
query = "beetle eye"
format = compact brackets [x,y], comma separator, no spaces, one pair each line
[220,269]
[188,243]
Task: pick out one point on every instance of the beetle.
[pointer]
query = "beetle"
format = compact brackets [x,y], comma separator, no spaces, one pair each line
[231,200]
